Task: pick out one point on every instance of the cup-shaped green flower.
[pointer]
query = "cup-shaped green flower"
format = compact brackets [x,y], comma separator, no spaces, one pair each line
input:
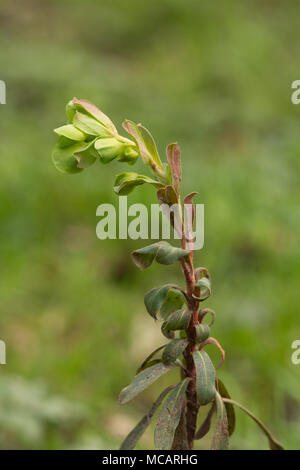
[89,135]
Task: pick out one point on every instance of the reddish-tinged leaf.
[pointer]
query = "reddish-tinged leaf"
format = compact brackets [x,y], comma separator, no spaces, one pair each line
[95,112]
[216,343]
[229,407]
[169,417]
[202,314]
[142,381]
[173,156]
[145,143]
[189,216]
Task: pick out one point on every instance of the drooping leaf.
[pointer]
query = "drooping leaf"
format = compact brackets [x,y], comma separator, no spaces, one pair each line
[204,312]
[142,381]
[161,301]
[145,143]
[221,435]
[178,320]
[204,286]
[173,350]
[180,441]
[133,437]
[202,332]
[162,252]
[229,407]
[149,358]
[173,156]
[214,341]
[127,181]
[169,417]
[205,377]
[205,426]
[273,443]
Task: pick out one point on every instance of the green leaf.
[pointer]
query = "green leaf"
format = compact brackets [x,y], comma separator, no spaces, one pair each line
[169,417]
[92,110]
[173,156]
[161,301]
[205,288]
[70,132]
[205,377]
[178,320]
[127,181]
[202,332]
[63,157]
[148,358]
[180,441]
[86,156]
[133,437]
[145,143]
[273,443]
[162,252]
[173,350]
[221,436]
[90,126]
[142,381]
[229,407]
[205,426]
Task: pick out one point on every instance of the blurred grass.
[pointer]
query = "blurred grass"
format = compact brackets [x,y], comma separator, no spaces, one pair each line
[218,81]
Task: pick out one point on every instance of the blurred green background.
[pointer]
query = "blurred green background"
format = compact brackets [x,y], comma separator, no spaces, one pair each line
[217,79]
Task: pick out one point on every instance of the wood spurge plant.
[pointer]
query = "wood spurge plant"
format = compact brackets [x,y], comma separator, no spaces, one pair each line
[88,136]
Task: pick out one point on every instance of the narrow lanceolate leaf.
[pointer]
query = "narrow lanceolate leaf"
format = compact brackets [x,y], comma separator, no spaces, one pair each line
[178,320]
[161,301]
[145,143]
[189,214]
[142,381]
[133,437]
[205,377]
[169,417]
[173,350]
[273,443]
[150,357]
[173,156]
[162,252]
[221,436]
[205,426]
[180,441]
[229,407]
[127,181]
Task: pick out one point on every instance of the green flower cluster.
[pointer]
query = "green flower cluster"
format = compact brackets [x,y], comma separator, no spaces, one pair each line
[88,136]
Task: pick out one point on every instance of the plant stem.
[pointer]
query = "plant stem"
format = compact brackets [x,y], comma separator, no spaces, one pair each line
[192,406]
